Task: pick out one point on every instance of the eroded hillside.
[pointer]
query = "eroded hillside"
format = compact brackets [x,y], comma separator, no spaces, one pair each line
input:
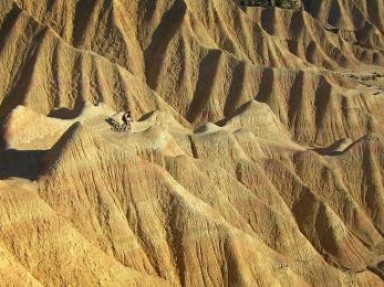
[255,159]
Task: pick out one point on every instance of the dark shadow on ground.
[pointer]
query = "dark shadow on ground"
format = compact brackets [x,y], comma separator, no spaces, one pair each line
[326,151]
[378,269]
[238,111]
[3,141]
[68,114]
[337,148]
[116,126]
[64,114]
[26,164]
[146,116]
[111,122]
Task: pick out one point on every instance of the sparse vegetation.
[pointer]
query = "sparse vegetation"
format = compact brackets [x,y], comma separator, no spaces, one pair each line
[288,4]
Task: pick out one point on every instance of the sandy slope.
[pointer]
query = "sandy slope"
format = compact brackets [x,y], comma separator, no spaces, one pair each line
[256,156]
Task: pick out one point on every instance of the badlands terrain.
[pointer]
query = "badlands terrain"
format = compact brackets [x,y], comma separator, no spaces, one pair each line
[256,156]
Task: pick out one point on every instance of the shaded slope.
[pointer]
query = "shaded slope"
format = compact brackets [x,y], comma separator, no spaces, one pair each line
[358,21]
[47,74]
[202,70]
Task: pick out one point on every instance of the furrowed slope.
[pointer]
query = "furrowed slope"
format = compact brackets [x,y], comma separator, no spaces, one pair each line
[357,21]
[168,203]
[98,26]
[220,176]
[255,156]
[73,259]
[202,70]
[42,71]
[148,209]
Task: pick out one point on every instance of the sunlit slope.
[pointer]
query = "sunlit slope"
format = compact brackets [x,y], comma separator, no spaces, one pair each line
[203,59]
[255,158]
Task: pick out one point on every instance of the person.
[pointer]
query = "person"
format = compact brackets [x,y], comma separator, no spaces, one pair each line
[127,120]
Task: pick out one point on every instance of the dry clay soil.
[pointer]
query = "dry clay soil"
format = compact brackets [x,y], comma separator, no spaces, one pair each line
[256,156]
